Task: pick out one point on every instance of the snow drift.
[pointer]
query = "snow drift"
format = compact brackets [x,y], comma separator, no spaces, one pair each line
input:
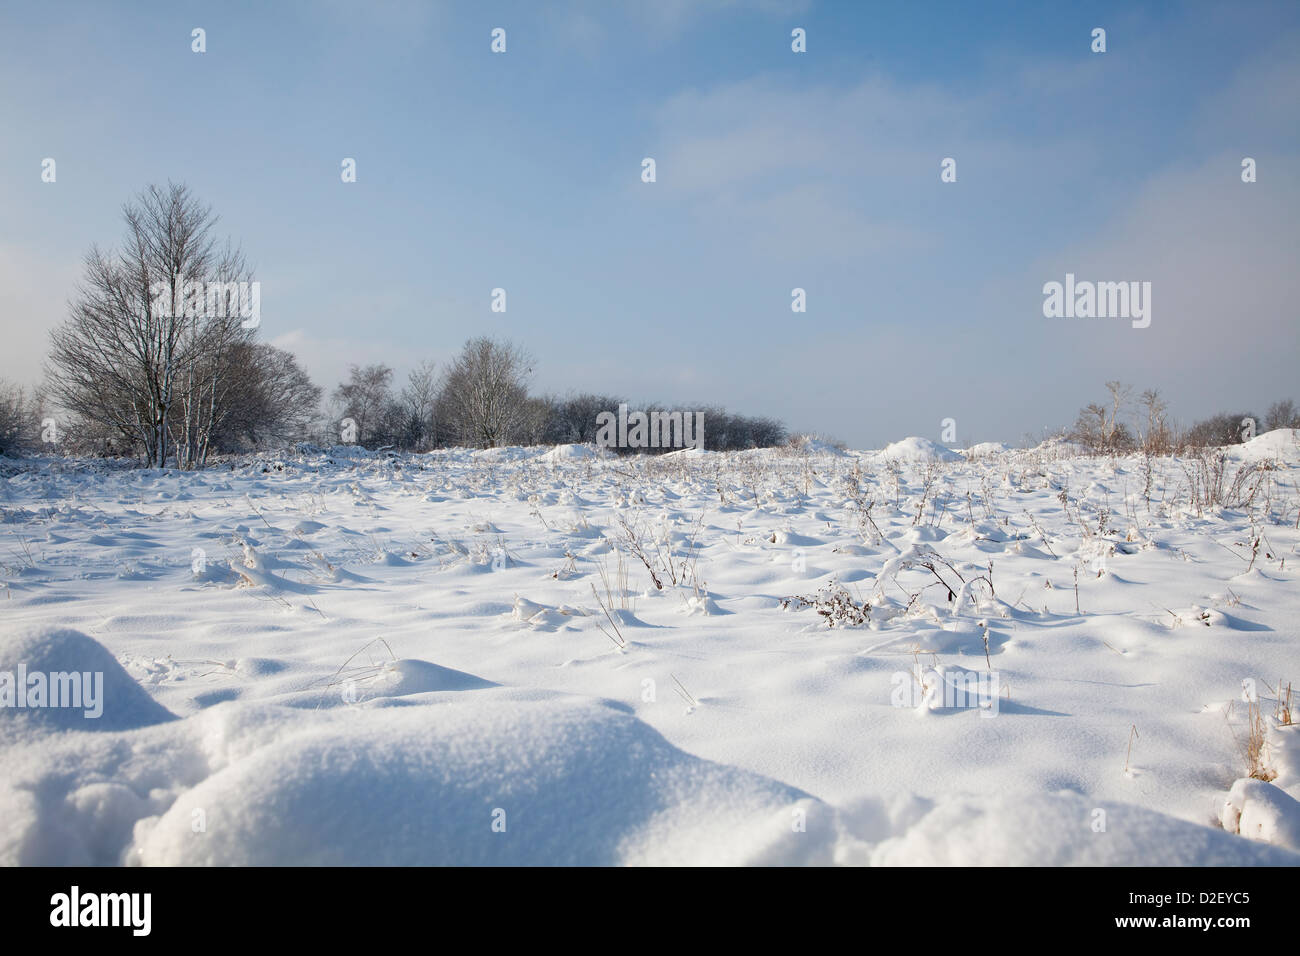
[64,663]
[919,449]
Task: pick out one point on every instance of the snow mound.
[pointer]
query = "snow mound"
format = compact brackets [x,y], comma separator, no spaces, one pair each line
[507,782]
[501,453]
[405,677]
[65,667]
[986,448]
[1279,443]
[919,449]
[570,453]
[1261,811]
[1066,829]
[816,446]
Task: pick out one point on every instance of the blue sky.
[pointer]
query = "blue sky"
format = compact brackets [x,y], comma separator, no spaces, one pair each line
[774,170]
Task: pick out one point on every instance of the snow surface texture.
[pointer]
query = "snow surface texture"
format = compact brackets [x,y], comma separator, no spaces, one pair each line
[345,658]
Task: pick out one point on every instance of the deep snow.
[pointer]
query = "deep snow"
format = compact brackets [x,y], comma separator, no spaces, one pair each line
[342,657]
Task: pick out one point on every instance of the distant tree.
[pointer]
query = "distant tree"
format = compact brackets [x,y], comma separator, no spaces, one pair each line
[1282,414]
[1098,426]
[727,432]
[1122,440]
[575,416]
[1226,428]
[19,420]
[484,391]
[273,400]
[1090,428]
[723,430]
[1156,436]
[366,398]
[768,432]
[1118,437]
[539,423]
[84,436]
[419,408]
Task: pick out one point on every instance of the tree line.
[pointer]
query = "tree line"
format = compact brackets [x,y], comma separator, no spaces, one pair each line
[482,400]
[158,359]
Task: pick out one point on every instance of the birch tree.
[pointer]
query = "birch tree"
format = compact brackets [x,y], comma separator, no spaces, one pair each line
[142,353]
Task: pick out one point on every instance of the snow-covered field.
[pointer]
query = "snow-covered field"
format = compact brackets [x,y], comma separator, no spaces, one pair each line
[350,658]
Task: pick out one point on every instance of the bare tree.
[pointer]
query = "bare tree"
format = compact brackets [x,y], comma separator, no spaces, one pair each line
[367,398]
[273,400]
[1116,436]
[538,421]
[419,401]
[20,418]
[1098,427]
[1226,428]
[1090,427]
[484,391]
[1156,437]
[576,416]
[143,344]
[1282,414]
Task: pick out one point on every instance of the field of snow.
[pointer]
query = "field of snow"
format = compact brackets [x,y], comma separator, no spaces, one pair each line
[554,656]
